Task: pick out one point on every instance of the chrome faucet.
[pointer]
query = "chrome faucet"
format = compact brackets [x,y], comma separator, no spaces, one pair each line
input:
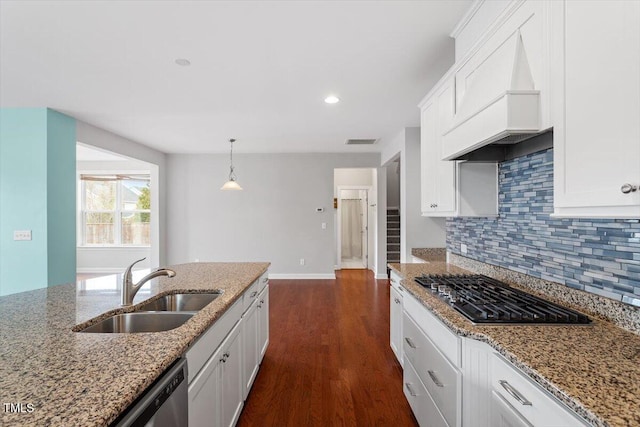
[129,289]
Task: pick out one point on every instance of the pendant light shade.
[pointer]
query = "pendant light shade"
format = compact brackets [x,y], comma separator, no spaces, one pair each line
[231,184]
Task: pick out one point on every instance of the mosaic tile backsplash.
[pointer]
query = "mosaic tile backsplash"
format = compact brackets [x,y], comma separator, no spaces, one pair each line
[601,256]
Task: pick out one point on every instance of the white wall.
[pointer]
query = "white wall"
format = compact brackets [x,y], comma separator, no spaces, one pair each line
[393,184]
[272,219]
[416,231]
[94,136]
[111,259]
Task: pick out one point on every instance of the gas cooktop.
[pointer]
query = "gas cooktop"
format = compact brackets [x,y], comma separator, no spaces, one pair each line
[484,300]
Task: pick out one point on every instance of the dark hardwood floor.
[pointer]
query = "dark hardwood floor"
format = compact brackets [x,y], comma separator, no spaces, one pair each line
[329,362]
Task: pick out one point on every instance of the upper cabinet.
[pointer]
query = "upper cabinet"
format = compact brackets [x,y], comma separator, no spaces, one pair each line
[451,188]
[596,64]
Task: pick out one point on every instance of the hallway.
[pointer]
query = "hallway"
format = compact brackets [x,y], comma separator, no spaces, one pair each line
[329,361]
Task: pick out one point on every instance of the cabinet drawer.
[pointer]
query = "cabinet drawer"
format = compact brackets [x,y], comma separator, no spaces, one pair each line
[447,342]
[534,404]
[440,377]
[423,407]
[250,295]
[203,348]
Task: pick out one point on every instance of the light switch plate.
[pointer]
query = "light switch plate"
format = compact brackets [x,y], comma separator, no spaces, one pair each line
[21,234]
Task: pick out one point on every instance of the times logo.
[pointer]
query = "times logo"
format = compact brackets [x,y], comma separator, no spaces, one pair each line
[19,408]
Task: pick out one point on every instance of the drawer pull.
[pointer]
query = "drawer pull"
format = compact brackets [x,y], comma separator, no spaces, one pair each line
[515,393]
[411,344]
[265,280]
[397,300]
[410,390]
[435,379]
[253,294]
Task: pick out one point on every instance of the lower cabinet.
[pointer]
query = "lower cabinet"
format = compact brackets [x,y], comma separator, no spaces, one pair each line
[395,317]
[224,361]
[452,381]
[216,393]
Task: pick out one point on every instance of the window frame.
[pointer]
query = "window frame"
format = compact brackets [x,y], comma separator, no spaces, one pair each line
[117,212]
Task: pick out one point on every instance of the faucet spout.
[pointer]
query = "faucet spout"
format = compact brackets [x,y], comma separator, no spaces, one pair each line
[129,289]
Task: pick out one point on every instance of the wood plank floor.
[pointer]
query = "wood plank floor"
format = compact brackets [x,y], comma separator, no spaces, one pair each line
[329,362]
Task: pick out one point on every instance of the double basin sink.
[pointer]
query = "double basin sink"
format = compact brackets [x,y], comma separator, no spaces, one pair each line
[162,314]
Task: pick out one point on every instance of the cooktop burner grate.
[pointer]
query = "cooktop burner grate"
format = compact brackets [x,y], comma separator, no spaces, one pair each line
[482,299]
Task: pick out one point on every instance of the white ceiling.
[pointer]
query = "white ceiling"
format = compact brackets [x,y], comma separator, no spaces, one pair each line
[259,69]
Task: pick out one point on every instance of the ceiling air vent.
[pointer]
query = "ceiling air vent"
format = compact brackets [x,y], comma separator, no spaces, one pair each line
[361,141]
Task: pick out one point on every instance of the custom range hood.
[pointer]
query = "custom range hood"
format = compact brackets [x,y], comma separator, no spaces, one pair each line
[497,106]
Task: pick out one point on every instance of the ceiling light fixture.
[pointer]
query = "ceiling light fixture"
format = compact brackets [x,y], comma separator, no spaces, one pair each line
[183,62]
[231,184]
[332,99]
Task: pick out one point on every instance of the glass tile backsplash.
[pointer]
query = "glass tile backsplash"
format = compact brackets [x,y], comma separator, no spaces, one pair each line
[601,256]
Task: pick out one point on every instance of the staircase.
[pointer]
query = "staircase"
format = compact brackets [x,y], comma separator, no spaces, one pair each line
[393,235]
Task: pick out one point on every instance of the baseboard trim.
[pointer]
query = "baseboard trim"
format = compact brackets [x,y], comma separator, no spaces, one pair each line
[100,270]
[301,276]
[382,276]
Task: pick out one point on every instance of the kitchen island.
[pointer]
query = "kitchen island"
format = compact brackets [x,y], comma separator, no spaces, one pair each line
[55,376]
[594,370]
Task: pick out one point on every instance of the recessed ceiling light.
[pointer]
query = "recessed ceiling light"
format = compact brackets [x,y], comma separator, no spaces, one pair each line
[183,62]
[331,99]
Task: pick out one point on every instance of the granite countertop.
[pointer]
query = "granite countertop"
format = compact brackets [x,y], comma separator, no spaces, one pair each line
[595,369]
[88,379]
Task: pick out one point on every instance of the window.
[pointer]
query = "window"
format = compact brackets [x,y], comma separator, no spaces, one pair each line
[116,210]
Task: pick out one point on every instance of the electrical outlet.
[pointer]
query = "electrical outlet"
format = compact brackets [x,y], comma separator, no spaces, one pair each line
[22,235]
[324,225]
[463,248]
[301,261]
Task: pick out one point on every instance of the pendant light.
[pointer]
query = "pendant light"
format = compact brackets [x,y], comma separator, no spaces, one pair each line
[231,184]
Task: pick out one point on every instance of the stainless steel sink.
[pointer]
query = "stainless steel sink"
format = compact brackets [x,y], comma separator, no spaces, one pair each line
[179,302]
[139,322]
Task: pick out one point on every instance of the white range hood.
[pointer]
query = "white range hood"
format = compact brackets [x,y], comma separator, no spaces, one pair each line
[499,103]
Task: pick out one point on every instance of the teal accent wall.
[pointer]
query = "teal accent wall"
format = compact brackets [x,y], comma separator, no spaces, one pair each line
[61,198]
[37,193]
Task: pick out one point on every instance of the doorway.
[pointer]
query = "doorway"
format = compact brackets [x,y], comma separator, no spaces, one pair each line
[353,218]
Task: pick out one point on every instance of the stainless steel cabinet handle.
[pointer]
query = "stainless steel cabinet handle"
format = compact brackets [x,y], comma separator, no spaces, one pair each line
[515,393]
[435,379]
[253,294]
[411,344]
[411,392]
[261,301]
[628,188]
[265,280]
[397,300]
[225,356]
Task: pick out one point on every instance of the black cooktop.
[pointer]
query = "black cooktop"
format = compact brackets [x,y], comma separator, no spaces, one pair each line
[484,300]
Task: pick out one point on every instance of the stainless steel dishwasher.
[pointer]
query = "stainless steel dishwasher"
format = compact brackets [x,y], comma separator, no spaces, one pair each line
[163,404]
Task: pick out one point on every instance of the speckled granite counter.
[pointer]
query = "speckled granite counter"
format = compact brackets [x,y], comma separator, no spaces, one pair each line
[84,379]
[595,370]
[430,254]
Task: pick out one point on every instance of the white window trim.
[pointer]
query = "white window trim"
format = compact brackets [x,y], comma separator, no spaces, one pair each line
[80,214]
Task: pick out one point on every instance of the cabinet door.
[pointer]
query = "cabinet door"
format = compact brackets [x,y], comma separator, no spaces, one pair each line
[231,396]
[395,318]
[438,176]
[250,348]
[503,414]
[204,394]
[597,133]
[263,323]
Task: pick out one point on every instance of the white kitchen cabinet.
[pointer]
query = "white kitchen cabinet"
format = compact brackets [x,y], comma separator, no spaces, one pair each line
[503,414]
[596,51]
[451,188]
[432,352]
[231,379]
[263,321]
[533,405]
[255,324]
[395,317]
[251,351]
[215,394]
